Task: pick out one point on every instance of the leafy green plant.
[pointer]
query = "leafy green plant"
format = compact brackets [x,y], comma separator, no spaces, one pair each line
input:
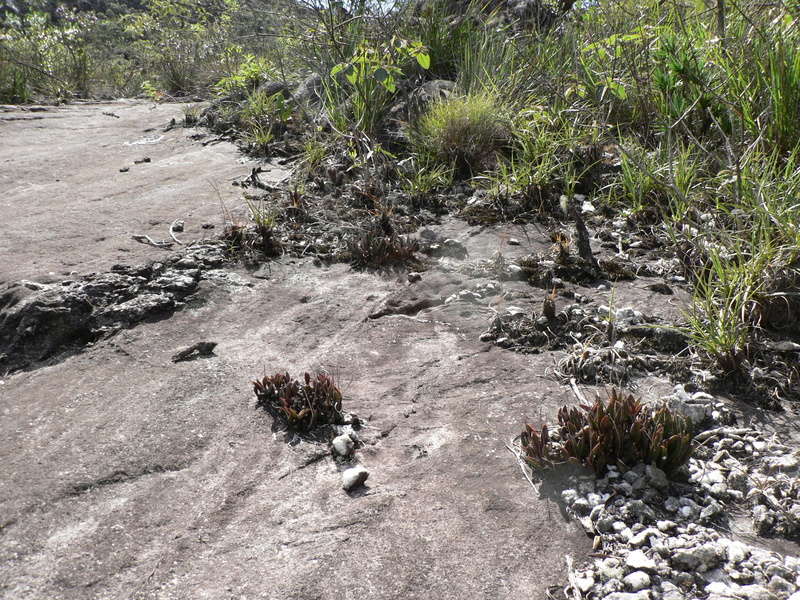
[263,107]
[191,115]
[497,61]
[300,405]
[723,305]
[621,431]
[445,37]
[314,152]
[379,246]
[264,220]
[262,117]
[14,86]
[421,181]
[543,162]
[251,71]
[372,73]
[683,80]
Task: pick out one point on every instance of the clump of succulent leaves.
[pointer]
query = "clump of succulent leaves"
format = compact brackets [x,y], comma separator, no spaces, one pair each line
[620,431]
[300,405]
[373,251]
[379,245]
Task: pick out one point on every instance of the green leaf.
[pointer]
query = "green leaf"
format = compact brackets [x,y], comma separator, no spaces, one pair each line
[424,60]
[351,74]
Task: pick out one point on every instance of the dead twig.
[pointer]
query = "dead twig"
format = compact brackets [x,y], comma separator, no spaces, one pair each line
[146,239]
[578,394]
[520,462]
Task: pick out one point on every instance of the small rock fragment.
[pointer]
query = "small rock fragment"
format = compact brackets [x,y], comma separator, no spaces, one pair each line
[643,536]
[736,552]
[585,583]
[195,351]
[780,586]
[755,592]
[343,445]
[785,463]
[657,477]
[640,595]
[639,561]
[354,477]
[609,569]
[638,580]
[785,346]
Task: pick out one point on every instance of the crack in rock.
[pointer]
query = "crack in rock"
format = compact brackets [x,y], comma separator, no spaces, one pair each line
[122,476]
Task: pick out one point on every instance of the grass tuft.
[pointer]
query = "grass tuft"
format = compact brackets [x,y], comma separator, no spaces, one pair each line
[467,134]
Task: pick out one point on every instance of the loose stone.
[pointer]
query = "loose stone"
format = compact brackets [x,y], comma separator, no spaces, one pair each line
[638,580]
[343,445]
[354,477]
[639,561]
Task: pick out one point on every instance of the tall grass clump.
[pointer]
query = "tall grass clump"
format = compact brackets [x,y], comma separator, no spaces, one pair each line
[448,37]
[467,133]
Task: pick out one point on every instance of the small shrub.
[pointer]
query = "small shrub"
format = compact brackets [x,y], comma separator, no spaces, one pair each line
[47,55]
[466,133]
[191,115]
[622,432]
[422,182]
[246,77]
[301,406]
[180,44]
[13,84]
[264,221]
[371,75]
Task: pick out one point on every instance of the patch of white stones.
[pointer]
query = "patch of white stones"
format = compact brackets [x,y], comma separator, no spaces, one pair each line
[657,539]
